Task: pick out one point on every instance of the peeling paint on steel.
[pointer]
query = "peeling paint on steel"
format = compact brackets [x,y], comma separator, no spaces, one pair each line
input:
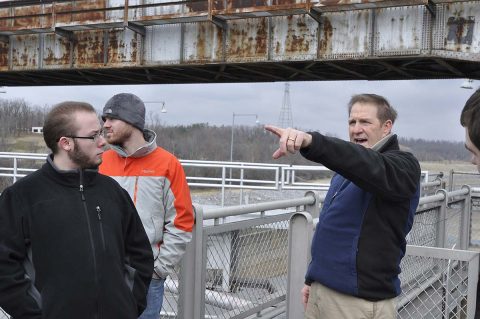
[236,4]
[344,34]
[64,15]
[366,4]
[203,43]
[460,30]
[462,27]
[294,40]
[399,30]
[168,9]
[247,40]
[122,48]
[201,6]
[90,49]
[24,52]
[4,23]
[56,52]
[162,45]
[27,17]
[4,48]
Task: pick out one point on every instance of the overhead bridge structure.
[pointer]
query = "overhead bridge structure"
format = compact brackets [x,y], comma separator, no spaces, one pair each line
[87,42]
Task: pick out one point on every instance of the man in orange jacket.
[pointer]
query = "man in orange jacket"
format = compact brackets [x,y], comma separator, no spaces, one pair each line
[156,182]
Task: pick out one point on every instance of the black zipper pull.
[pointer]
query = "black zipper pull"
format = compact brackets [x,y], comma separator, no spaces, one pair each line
[99,213]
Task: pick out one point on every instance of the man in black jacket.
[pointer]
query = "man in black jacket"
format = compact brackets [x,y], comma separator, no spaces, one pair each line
[470,119]
[359,240]
[71,242]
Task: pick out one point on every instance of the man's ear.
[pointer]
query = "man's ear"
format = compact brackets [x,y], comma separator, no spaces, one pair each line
[65,144]
[387,126]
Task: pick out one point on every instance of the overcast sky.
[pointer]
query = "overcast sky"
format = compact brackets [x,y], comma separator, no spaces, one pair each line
[427,109]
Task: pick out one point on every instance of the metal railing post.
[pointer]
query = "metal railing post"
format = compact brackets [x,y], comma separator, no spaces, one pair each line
[472,286]
[187,280]
[441,229]
[198,267]
[299,239]
[241,184]
[450,180]
[223,186]
[313,209]
[277,180]
[465,220]
[15,172]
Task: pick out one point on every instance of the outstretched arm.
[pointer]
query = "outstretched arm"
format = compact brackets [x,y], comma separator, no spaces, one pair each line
[290,140]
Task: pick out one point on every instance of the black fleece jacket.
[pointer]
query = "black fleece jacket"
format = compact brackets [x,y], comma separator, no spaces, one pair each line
[72,246]
[369,208]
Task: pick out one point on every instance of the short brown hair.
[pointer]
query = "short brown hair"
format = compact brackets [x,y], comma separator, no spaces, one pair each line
[470,118]
[385,111]
[60,122]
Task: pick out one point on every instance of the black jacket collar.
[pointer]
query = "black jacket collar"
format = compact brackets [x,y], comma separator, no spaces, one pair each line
[70,178]
[390,144]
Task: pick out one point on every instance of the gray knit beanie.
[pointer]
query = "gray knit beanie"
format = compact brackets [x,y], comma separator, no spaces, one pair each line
[126,107]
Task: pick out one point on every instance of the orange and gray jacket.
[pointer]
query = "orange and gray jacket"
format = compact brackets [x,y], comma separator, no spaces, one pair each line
[156,182]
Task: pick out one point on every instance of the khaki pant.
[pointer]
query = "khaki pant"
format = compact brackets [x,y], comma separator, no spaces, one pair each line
[325,303]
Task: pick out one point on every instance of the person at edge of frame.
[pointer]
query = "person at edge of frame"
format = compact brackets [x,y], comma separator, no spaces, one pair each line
[470,120]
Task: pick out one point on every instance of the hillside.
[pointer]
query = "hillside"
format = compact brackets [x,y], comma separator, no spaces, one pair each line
[198,141]
[181,140]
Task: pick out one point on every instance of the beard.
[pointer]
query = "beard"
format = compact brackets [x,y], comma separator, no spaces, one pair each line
[79,157]
[119,137]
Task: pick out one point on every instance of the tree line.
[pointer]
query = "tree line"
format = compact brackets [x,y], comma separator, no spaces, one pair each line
[202,141]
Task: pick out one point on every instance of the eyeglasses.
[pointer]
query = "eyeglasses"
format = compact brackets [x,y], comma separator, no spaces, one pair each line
[94,137]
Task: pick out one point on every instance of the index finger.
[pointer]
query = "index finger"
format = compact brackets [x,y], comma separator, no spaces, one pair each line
[275,130]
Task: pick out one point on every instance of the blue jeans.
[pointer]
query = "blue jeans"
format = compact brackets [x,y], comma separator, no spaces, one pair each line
[154,300]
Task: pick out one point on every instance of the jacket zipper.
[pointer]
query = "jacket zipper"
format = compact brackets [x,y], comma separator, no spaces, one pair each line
[337,191]
[99,214]
[95,275]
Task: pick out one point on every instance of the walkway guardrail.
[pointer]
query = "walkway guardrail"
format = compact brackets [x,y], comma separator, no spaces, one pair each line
[222,175]
[458,178]
[251,259]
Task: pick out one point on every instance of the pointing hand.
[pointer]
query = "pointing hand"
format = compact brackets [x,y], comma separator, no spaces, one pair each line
[291,140]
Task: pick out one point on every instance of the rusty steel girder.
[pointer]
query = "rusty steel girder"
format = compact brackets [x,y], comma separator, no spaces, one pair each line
[148,41]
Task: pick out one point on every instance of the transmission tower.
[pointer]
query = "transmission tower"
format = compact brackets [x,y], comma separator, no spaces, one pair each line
[285,119]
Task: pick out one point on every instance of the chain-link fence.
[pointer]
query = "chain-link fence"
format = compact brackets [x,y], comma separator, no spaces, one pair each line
[475,223]
[457,178]
[436,282]
[442,287]
[246,267]
[240,263]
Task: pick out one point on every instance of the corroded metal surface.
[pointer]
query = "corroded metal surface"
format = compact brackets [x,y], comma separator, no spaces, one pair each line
[247,40]
[345,34]
[300,36]
[237,40]
[203,43]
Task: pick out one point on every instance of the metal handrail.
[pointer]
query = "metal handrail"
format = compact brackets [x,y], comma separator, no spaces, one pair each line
[284,174]
[214,213]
